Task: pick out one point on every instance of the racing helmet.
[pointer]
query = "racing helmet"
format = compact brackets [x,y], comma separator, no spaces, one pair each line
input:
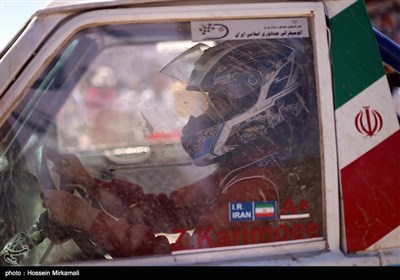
[255,93]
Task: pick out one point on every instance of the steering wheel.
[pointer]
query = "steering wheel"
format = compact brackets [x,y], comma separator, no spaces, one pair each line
[44,155]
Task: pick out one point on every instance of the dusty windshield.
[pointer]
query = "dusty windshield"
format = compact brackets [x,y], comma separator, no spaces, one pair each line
[111,154]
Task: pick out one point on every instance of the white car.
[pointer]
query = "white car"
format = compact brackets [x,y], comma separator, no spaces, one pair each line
[162,94]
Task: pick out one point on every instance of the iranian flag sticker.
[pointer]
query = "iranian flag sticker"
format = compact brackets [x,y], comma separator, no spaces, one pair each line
[252,210]
[265,210]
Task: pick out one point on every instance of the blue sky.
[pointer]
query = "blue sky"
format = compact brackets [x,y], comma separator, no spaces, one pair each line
[13,15]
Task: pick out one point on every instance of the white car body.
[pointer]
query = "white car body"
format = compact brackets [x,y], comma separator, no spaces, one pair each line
[47,31]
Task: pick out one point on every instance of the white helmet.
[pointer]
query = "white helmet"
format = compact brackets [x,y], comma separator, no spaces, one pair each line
[256,93]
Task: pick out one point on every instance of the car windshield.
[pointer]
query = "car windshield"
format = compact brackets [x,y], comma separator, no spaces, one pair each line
[236,166]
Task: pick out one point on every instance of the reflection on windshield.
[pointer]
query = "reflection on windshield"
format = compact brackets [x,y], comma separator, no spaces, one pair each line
[113,105]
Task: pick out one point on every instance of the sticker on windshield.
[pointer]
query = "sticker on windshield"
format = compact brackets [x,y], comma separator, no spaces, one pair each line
[250,29]
[253,210]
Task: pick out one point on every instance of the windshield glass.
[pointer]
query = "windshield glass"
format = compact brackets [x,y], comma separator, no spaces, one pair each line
[111,155]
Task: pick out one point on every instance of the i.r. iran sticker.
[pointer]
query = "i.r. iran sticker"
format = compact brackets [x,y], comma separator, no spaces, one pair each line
[252,210]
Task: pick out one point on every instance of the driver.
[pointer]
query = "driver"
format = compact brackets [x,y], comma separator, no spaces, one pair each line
[260,128]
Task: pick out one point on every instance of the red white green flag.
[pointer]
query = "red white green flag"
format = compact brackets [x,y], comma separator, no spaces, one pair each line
[367,131]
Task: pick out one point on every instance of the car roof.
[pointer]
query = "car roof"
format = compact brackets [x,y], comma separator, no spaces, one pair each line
[57,6]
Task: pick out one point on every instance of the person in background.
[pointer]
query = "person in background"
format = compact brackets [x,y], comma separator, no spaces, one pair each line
[102,91]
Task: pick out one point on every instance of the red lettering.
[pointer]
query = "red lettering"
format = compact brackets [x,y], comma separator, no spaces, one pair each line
[282,229]
[235,234]
[204,236]
[245,234]
[267,230]
[178,243]
[303,206]
[253,233]
[223,238]
[312,229]
[288,207]
[297,231]
[238,232]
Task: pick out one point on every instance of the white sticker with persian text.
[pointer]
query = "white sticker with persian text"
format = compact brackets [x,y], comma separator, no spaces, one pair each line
[250,29]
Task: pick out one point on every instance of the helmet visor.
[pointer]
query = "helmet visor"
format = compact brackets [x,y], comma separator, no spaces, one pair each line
[181,67]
